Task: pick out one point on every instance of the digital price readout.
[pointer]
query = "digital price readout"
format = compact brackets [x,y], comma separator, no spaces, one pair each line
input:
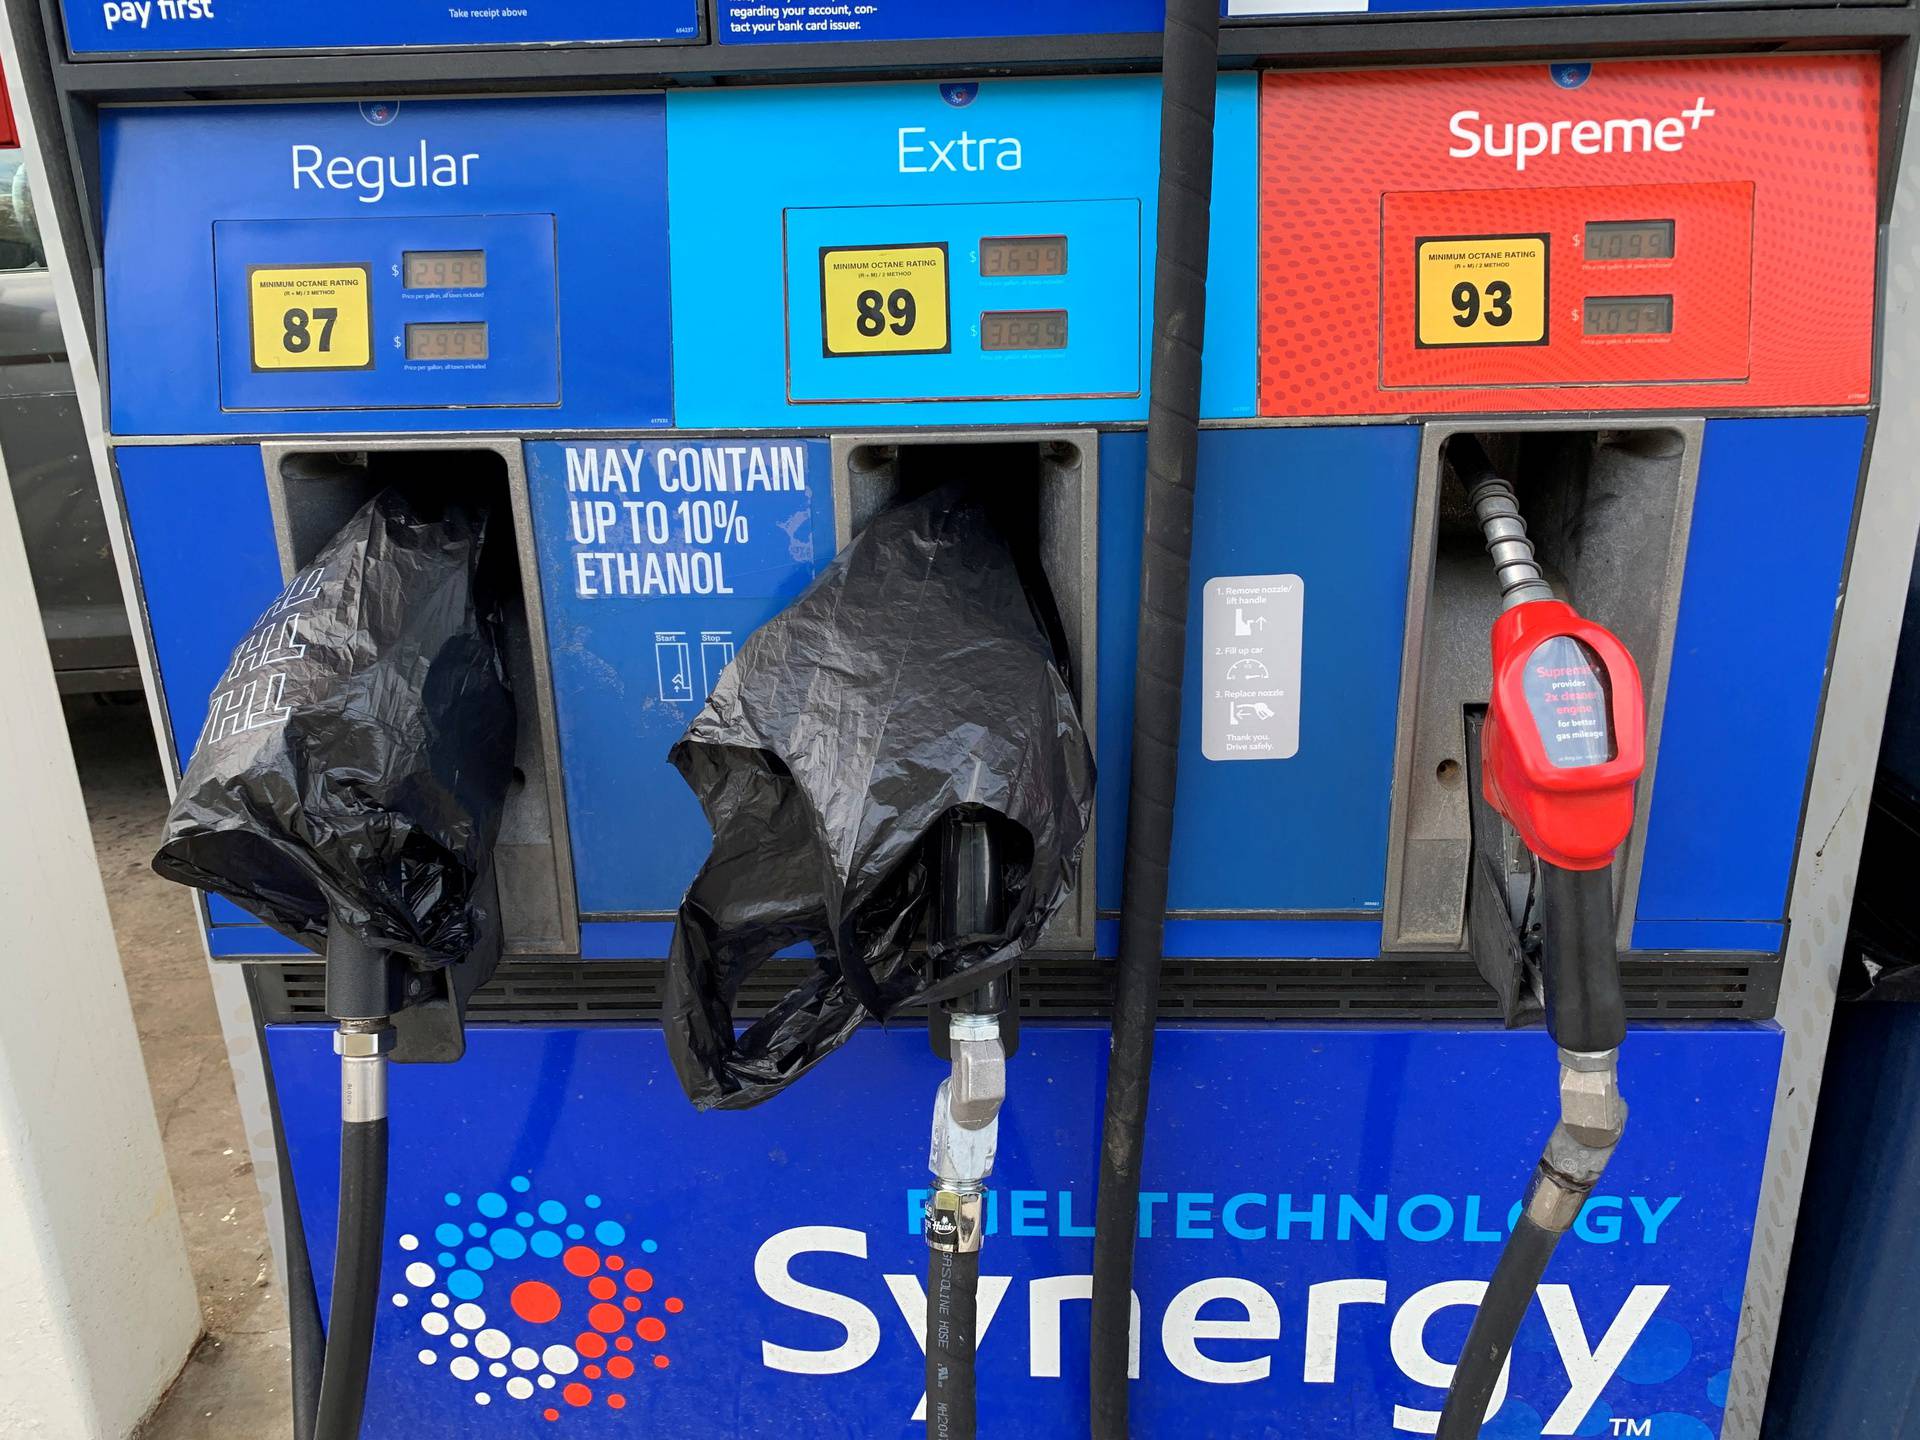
[1630,239]
[463,340]
[1629,315]
[1023,330]
[1016,255]
[443,270]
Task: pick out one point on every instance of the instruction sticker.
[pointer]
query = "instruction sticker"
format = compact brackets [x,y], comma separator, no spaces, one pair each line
[1250,667]
[884,300]
[311,317]
[1481,290]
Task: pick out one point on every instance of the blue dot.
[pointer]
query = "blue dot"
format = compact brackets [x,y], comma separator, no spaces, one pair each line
[464,1285]
[1717,1389]
[593,1202]
[491,1205]
[476,1229]
[1597,1421]
[446,1258]
[552,1211]
[1673,1426]
[480,1259]
[453,1197]
[447,1234]
[1661,1352]
[508,1244]
[576,1232]
[523,1220]
[546,1244]
[521,1183]
[609,1232]
[649,1246]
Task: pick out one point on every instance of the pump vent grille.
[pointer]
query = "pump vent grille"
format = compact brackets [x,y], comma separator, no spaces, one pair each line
[1691,987]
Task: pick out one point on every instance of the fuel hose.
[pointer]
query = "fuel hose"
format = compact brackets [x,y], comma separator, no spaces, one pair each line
[1191,57]
[953,1288]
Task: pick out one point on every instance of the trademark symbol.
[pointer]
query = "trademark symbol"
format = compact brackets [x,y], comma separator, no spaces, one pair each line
[1623,1426]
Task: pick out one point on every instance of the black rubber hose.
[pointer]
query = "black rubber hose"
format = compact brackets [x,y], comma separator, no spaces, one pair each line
[1585,1007]
[356,1279]
[307,1339]
[1515,1278]
[1190,70]
[953,1289]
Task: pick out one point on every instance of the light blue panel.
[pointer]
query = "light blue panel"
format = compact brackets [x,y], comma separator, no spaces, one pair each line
[740,206]
[1334,506]
[1099,293]
[657,559]
[1771,519]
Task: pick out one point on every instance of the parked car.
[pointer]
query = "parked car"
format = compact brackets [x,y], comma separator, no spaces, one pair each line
[45,447]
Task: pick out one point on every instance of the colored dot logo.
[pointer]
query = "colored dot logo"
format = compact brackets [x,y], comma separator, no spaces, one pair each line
[501,1318]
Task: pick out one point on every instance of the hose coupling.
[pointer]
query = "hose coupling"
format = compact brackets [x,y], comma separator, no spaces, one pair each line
[953,1220]
[1505,530]
[363,1046]
[966,1133]
[1593,1117]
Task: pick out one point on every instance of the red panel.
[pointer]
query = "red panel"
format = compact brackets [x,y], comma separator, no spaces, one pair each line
[1766,166]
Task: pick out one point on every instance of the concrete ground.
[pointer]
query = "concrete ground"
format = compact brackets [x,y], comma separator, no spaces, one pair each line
[235,1385]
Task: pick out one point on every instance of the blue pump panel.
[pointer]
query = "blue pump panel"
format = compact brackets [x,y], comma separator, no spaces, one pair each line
[121,27]
[1322,1207]
[516,363]
[996,346]
[925,168]
[341,187]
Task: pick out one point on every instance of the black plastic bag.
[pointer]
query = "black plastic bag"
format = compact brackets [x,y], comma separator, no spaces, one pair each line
[356,754]
[922,672]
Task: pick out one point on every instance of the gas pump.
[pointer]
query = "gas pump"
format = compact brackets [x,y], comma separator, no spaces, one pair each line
[702,301]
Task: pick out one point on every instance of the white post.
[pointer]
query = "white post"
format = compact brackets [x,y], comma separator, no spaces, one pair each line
[97,1303]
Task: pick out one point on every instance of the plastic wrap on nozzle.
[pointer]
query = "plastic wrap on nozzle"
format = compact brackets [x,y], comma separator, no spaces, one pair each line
[357,751]
[921,673]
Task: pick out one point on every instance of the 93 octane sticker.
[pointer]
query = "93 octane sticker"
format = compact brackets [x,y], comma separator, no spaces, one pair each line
[1481,290]
[884,300]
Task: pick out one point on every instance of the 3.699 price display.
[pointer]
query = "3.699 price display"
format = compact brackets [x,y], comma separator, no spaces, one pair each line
[884,300]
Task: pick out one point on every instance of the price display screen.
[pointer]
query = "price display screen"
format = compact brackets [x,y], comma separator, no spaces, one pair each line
[1630,240]
[1023,330]
[1023,255]
[443,270]
[1630,315]
[465,341]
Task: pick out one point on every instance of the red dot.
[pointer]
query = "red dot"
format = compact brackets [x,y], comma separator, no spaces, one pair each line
[675,1305]
[640,1280]
[606,1318]
[633,1303]
[620,1367]
[535,1301]
[616,1402]
[576,1394]
[652,1329]
[625,1342]
[590,1345]
[614,1262]
[659,1362]
[601,1287]
[550,1414]
[579,1260]
[592,1372]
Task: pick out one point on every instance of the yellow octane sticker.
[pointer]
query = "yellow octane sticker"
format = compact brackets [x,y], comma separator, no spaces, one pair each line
[311,317]
[1483,290]
[884,300]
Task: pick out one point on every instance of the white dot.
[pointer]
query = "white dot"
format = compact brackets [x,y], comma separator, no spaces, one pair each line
[440,1302]
[546,1382]
[463,1367]
[519,1387]
[526,1357]
[497,1370]
[458,1340]
[409,1242]
[560,1360]
[433,1324]
[419,1274]
[401,1301]
[492,1343]
[469,1317]
[427,1357]
[483,1398]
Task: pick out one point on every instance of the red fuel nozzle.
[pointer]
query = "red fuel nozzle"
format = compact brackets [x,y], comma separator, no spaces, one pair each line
[1564,740]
